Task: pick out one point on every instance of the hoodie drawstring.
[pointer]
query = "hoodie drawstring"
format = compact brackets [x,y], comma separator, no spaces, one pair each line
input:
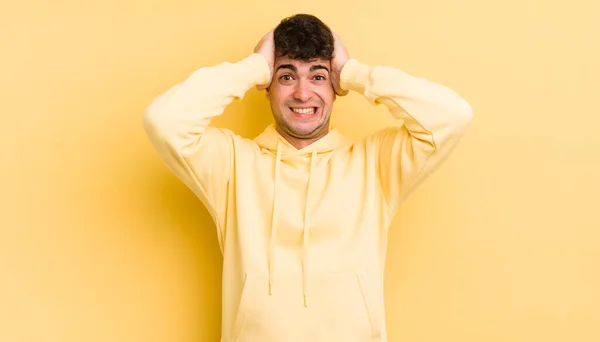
[274,223]
[306,228]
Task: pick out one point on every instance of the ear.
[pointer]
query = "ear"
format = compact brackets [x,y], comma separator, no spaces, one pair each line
[267,94]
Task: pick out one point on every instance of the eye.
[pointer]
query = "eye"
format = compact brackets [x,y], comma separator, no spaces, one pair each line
[285,77]
[320,78]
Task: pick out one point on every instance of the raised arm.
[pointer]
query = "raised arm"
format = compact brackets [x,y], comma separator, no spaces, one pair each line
[177,124]
[432,120]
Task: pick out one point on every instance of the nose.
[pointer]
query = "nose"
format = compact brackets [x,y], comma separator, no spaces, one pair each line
[302,91]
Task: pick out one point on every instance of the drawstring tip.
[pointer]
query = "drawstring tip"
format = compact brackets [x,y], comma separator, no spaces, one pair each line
[305,300]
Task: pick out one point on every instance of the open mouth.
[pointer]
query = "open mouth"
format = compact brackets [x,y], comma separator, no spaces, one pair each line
[305,111]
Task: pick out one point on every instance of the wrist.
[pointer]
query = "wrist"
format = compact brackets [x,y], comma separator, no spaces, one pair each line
[260,67]
[354,75]
[336,76]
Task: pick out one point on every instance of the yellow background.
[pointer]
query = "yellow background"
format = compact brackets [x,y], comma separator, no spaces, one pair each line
[99,242]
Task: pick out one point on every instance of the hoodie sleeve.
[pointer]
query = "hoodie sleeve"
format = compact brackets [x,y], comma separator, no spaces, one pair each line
[432,120]
[177,124]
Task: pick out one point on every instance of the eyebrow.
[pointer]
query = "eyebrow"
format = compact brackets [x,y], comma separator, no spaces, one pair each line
[294,69]
[287,66]
[317,67]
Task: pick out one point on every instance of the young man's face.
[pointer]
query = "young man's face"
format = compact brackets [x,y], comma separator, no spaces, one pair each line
[302,97]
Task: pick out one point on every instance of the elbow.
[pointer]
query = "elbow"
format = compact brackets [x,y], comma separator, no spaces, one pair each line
[149,119]
[150,116]
[463,115]
[156,113]
[153,121]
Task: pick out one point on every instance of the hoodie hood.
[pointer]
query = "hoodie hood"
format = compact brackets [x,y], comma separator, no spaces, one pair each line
[271,142]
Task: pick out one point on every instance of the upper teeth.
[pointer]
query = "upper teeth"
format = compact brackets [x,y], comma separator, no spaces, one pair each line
[304,110]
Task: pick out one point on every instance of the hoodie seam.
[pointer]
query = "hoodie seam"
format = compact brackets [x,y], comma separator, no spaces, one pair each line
[408,186]
[429,155]
[210,205]
[379,178]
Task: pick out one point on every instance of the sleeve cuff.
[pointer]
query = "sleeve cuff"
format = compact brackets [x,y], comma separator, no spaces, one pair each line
[355,76]
[257,69]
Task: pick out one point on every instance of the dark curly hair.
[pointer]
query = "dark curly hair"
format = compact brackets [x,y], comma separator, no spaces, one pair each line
[303,37]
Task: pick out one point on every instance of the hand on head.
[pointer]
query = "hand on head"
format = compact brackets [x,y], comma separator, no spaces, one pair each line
[266,48]
[340,57]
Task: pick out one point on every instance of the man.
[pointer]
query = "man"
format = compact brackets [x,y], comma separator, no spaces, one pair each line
[301,212]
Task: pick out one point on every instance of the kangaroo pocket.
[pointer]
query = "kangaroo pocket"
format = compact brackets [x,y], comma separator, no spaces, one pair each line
[341,307]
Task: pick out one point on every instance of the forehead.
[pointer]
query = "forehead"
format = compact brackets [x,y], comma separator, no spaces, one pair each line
[301,65]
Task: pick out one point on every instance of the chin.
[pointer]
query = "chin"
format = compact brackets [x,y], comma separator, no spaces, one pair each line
[305,130]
